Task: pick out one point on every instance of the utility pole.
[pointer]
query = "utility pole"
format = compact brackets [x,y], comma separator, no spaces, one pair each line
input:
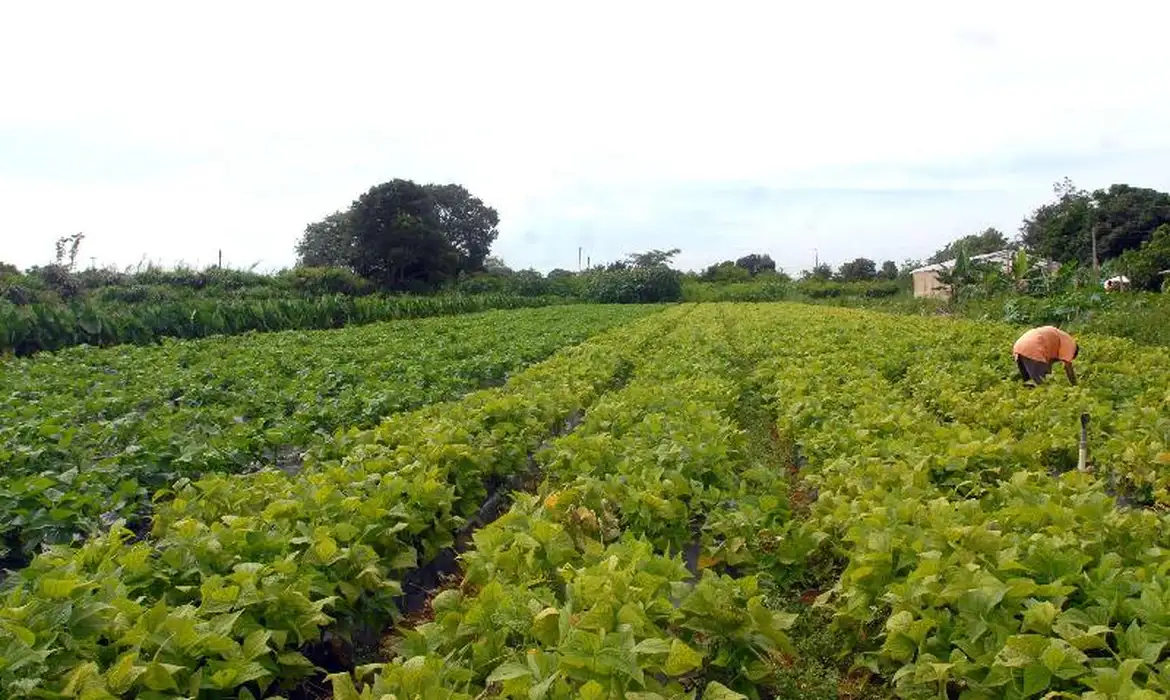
[816,258]
[578,258]
[1096,263]
[588,262]
[220,263]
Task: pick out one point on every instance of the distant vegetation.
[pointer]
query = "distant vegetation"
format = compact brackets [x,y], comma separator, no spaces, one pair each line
[402,249]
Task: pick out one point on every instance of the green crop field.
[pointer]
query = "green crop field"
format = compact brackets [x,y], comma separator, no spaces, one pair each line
[707,501]
[88,435]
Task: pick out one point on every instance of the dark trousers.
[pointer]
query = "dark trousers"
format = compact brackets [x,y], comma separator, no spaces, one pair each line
[1032,369]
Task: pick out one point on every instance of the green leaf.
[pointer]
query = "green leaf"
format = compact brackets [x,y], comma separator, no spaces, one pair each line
[256,644]
[1036,679]
[652,646]
[160,676]
[343,687]
[507,671]
[24,634]
[294,658]
[58,588]
[682,659]
[717,691]
[405,559]
[592,691]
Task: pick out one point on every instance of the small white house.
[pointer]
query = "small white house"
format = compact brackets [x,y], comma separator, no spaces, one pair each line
[927,283]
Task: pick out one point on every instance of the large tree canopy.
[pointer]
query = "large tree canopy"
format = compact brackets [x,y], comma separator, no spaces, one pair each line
[398,238]
[1123,217]
[467,223]
[989,241]
[858,270]
[327,243]
[402,235]
[757,263]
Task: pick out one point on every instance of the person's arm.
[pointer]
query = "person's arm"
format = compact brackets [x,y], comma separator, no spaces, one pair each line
[1070,373]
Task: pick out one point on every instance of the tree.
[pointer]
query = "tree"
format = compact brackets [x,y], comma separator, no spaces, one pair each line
[1060,230]
[362,237]
[889,270]
[756,263]
[1144,266]
[1122,217]
[858,270]
[725,271]
[495,265]
[66,251]
[821,272]
[652,258]
[398,238]
[327,243]
[466,222]
[1126,217]
[989,241]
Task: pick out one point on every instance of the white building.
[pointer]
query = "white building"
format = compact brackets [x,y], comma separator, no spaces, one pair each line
[926,278]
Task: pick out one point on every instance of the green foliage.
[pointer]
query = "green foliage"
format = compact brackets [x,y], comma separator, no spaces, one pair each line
[467,223]
[328,242]
[989,241]
[405,237]
[88,436]
[726,271]
[756,263]
[1145,266]
[636,285]
[398,243]
[859,270]
[974,566]
[28,329]
[1122,216]
[821,272]
[652,258]
[240,572]
[706,474]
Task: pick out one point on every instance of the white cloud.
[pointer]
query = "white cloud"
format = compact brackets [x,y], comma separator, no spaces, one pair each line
[171,131]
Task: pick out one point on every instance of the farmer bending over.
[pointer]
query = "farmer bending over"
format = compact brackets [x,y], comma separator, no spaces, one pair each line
[1037,349]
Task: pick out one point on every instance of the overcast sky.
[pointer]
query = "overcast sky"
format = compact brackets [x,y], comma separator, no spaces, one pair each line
[850,128]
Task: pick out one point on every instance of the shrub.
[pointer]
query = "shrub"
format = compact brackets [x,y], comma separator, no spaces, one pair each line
[638,285]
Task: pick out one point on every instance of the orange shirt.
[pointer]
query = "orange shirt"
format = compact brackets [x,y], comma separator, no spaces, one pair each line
[1046,344]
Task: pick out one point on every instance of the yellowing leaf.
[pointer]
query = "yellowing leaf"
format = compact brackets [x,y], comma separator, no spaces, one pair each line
[121,676]
[592,691]
[325,548]
[58,588]
[681,659]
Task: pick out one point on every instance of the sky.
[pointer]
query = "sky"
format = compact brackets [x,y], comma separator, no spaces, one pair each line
[168,132]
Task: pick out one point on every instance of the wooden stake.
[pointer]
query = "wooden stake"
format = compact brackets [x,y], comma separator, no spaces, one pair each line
[1083,456]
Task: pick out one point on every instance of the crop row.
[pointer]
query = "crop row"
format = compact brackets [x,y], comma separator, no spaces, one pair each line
[973,563]
[581,590]
[976,563]
[87,435]
[241,572]
[38,327]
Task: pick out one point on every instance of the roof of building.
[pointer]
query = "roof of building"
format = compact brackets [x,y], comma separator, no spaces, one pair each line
[1001,256]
